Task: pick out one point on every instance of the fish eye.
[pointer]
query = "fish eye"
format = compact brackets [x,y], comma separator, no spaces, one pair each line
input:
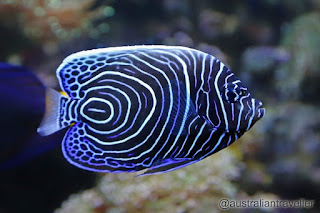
[232,93]
[243,91]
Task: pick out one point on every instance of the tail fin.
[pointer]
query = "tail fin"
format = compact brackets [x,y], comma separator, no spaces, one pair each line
[50,122]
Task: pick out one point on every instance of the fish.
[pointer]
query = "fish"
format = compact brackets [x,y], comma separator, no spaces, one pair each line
[151,107]
[22,107]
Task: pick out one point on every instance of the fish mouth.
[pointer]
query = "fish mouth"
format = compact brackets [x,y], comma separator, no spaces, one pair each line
[260,110]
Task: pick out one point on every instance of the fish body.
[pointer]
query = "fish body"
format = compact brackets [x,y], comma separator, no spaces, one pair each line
[156,107]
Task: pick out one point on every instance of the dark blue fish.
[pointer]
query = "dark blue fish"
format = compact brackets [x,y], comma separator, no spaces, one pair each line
[22,107]
[155,107]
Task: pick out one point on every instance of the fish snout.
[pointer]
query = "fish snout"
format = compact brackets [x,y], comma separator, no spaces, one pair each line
[260,110]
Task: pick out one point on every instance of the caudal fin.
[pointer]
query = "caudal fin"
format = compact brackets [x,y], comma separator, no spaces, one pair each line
[50,122]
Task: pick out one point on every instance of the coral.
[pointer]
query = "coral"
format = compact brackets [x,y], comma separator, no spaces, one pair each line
[213,24]
[263,58]
[302,40]
[196,188]
[284,159]
[44,20]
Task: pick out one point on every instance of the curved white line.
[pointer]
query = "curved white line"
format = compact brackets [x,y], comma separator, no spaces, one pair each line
[94,120]
[219,96]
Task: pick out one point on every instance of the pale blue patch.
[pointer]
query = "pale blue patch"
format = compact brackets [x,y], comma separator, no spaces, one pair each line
[179,106]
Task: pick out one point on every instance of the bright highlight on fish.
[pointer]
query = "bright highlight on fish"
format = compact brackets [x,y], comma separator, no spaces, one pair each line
[137,107]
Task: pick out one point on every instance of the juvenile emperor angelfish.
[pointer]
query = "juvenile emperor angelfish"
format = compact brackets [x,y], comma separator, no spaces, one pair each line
[137,107]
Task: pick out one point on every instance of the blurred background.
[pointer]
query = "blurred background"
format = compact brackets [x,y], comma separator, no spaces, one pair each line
[273,46]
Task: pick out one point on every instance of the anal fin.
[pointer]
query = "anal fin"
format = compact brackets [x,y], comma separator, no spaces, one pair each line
[168,165]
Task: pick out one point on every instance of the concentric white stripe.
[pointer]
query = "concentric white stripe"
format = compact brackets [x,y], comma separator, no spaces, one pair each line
[188,99]
[241,111]
[94,120]
[154,103]
[219,96]
[253,113]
